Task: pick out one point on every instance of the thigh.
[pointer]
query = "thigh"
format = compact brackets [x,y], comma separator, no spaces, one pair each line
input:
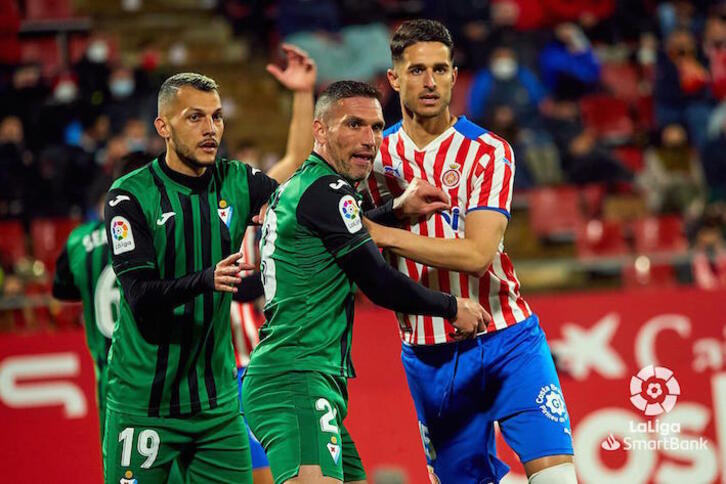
[221,452]
[530,406]
[352,465]
[138,448]
[297,417]
[456,432]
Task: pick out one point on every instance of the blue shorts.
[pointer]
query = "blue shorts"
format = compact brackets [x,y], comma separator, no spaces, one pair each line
[259,459]
[460,390]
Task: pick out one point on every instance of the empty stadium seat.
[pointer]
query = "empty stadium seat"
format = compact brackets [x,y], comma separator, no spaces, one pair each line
[592,196]
[642,273]
[659,234]
[12,242]
[631,157]
[554,212]
[48,9]
[607,116]
[601,238]
[48,236]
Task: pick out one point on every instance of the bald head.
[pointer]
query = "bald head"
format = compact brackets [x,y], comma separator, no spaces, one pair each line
[170,87]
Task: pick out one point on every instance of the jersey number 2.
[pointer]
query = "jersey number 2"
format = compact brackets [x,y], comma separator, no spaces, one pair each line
[327,421]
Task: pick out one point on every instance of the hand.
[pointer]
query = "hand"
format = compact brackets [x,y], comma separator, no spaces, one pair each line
[259,219]
[420,199]
[227,272]
[300,73]
[471,318]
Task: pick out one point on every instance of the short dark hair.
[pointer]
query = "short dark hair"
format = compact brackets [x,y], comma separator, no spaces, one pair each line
[420,30]
[170,87]
[343,90]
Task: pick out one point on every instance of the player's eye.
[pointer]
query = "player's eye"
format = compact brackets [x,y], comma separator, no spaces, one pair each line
[416,70]
[354,123]
[217,116]
[377,127]
[194,117]
[441,70]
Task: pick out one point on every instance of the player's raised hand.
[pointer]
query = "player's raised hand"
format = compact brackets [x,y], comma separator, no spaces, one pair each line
[299,74]
[471,318]
[227,272]
[420,199]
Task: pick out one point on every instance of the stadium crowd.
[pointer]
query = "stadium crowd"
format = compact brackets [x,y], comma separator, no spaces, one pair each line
[607,100]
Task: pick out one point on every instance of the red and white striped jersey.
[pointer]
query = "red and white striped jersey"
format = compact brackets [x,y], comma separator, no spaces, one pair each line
[476,168]
[245,319]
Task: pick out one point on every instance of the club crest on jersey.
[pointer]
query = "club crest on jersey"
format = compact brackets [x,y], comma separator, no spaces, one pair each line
[128,478]
[123,236]
[334,449]
[225,212]
[350,213]
[451,177]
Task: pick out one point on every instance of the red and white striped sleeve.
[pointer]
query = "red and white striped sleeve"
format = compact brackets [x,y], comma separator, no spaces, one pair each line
[491,180]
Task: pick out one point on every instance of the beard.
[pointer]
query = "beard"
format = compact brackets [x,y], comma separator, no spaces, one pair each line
[186,153]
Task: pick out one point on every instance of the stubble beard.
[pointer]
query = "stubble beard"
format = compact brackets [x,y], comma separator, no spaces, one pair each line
[186,155]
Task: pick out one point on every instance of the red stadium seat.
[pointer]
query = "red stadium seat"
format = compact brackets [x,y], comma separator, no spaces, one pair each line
[592,196]
[621,79]
[12,242]
[631,157]
[48,9]
[642,274]
[554,212]
[601,238]
[48,238]
[42,51]
[607,116]
[659,234]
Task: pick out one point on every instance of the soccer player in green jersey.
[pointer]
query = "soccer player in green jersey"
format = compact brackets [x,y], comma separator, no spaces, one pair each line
[174,228]
[315,251]
[83,273]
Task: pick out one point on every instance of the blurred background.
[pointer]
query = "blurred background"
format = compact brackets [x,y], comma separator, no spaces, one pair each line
[616,113]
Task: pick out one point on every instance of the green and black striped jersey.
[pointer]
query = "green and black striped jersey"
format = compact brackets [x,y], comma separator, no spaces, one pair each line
[83,272]
[179,361]
[312,221]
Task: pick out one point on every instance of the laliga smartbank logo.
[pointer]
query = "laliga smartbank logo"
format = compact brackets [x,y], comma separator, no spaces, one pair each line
[654,391]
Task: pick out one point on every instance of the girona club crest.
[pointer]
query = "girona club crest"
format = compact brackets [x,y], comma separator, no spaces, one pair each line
[654,390]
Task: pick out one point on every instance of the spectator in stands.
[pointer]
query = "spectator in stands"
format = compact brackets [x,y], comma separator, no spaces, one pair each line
[126,99]
[92,72]
[589,161]
[708,263]
[672,180]
[713,160]
[681,87]
[568,64]
[505,82]
[15,168]
[714,46]
[25,98]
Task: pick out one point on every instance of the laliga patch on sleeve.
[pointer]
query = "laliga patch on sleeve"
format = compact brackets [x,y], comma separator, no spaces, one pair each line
[123,237]
[350,213]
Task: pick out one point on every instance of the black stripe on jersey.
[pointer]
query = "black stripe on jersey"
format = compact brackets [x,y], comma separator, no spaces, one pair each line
[223,229]
[345,361]
[162,352]
[208,299]
[187,321]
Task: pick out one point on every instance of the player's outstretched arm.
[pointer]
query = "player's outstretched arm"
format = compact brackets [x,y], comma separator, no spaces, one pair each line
[299,76]
[420,199]
[473,254]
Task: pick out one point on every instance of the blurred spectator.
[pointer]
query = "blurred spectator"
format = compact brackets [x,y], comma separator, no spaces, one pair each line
[713,160]
[127,98]
[709,259]
[15,168]
[681,87]
[505,82]
[589,161]
[714,46]
[92,72]
[672,179]
[568,64]
[25,99]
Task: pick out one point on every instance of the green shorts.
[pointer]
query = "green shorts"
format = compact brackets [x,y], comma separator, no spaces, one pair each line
[298,418]
[204,448]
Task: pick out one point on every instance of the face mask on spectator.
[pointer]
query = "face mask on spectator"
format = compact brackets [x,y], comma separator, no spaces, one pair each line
[65,92]
[97,52]
[122,88]
[504,68]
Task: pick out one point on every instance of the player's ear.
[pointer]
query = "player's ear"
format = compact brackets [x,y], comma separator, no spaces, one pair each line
[393,79]
[454,75]
[162,127]
[320,132]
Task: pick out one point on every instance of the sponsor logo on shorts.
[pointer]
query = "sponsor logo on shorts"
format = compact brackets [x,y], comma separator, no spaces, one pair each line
[552,404]
[334,449]
[128,478]
[350,213]
[123,236]
[654,390]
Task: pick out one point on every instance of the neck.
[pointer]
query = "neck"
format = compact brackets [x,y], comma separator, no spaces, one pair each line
[323,153]
[177,164]
[424,130]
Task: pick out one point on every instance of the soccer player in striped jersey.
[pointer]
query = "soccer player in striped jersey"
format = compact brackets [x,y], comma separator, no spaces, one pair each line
[174,228]
[83,273]
[506,375]
[315,251]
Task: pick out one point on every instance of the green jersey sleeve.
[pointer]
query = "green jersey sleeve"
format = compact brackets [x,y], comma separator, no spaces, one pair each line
[128,232]
[329,208]
[261,188]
